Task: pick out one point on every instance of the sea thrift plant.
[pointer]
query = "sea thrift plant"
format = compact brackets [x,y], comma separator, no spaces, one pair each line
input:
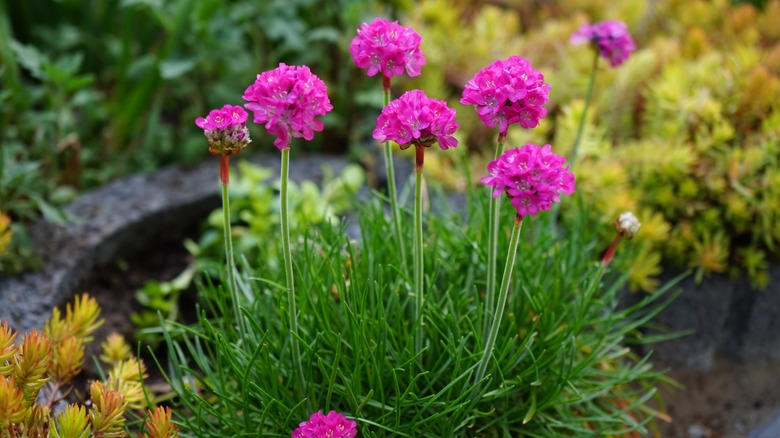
[227,134]
[533,177]
[333,425]
[287,101]
[610,38]
[416,119]
[506,92]
[391,49]
[626,227]
[388,48]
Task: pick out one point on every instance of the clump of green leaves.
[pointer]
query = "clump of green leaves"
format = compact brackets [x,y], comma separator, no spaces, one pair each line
[563,368]
[255,217]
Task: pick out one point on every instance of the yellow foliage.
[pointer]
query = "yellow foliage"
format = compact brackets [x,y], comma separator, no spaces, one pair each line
[73,422]
[107,411]
[30,364]
[644,268]
[67,359]
[7,349]
[160,425]
[12,405]
[6,233]
[81,320]
[115,349]
[710,254]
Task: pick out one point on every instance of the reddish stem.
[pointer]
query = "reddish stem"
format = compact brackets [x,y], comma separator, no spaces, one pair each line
[610,251]
[419,157]
[501,136]
[224,169]
[385,83]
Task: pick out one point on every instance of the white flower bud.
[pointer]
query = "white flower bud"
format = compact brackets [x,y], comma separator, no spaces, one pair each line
[627,225]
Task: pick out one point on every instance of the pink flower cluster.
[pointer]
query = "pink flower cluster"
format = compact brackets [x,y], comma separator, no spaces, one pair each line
[333,425]
[287,99]
[225,128]
[508,91]
[610,38]
[387,47]
[532,176]
[415,118]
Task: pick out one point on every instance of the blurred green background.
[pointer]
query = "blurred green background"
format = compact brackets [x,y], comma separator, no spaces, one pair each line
[685,134]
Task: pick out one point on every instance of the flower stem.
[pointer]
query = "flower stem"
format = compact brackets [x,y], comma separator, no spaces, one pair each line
[493,216]
[391,189]
[232,283]
[418,250]
[288,271]
[588,97]
[502,297]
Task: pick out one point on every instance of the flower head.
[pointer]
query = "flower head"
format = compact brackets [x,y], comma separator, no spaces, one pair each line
[415,118]
[225,129]
[532,176]
[287,99]
[333,425]
[627,225]
[508,91]
[610,38]
[387,47]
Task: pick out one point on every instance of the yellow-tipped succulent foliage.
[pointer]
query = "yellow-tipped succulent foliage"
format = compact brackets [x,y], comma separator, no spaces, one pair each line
[31,363]
[5,232]
[13,409]
[115,349]
[73,422]
[7,348]
[68,358]
[686,131]
[81,320]
[160,425]
[127,377]
[107,413]
[55,356]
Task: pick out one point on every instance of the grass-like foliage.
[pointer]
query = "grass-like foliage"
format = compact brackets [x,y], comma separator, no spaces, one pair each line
[562,365]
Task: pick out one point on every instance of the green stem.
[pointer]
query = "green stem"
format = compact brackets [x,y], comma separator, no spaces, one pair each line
[418,251]
[502,297]
[232,283]
[288,272]
[493,224]
[391,189]
[588,97]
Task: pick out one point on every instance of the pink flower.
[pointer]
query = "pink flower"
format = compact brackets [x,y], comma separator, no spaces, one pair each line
[610,38]
[387,47]
[225,129]
[415,118]
[333,425]
[508,91]
[287,99]
[532,176]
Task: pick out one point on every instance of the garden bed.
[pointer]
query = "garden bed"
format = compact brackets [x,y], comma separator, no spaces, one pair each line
[727,367]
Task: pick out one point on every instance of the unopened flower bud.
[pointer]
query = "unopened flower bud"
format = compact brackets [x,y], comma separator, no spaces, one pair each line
[627,225]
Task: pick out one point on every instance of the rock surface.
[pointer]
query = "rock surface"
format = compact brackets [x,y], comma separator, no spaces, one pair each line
[118,220]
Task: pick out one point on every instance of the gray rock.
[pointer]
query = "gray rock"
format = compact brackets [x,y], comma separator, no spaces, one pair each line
[118,220]
[761,342]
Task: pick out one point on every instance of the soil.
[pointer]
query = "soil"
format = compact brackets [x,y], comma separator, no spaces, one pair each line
[728,401]
[114,287]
